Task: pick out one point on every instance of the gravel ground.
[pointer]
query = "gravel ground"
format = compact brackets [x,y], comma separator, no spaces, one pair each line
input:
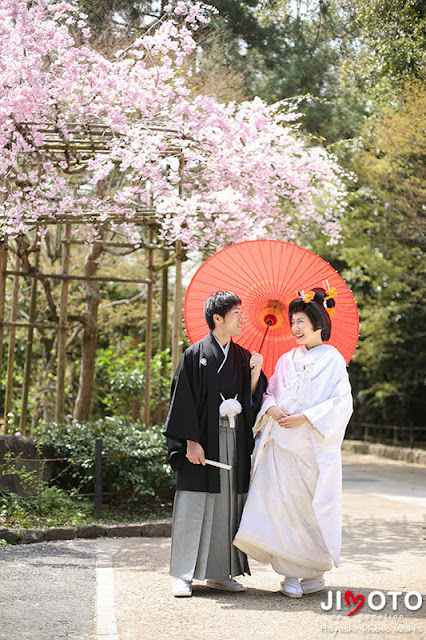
[48,590]
[384,519]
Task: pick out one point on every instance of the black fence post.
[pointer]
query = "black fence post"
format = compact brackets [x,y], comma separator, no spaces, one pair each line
[98,478]
[2,454]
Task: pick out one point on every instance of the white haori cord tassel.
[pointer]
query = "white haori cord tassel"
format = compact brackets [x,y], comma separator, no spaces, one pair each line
[230,408]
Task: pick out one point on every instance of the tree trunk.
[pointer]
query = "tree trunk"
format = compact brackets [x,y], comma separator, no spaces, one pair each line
[83,401]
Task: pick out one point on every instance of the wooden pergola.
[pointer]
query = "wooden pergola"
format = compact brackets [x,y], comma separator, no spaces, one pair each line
[62,325]
[79,144]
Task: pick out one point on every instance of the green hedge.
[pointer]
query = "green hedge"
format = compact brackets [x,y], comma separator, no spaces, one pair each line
[134,463]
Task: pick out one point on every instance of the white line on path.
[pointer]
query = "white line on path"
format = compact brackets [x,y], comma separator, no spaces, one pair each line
[106,622]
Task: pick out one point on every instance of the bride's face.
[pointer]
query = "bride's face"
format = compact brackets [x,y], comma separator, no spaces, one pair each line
[303,330]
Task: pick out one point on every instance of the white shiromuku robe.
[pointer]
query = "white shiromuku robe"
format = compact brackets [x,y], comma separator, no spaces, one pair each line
[293,515]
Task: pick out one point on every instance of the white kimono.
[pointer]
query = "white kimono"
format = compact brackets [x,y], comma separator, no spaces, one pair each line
[293,515]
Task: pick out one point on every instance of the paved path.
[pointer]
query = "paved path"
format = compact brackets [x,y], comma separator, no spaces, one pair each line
[48,591]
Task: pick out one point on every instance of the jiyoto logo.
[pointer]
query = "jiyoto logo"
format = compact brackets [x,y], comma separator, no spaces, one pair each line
[376,600]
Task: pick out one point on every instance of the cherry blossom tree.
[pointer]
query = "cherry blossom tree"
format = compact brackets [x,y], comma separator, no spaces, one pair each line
[125,140]
[213,173]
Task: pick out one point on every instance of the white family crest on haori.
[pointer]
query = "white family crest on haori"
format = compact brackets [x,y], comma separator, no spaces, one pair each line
[230,408]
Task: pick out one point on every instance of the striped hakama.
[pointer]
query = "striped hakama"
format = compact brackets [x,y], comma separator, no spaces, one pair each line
[204,524]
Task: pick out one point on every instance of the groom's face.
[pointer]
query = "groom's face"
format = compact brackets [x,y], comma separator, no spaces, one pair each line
[232,323]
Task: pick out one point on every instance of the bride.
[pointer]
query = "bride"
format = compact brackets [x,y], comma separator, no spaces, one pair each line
[292,517]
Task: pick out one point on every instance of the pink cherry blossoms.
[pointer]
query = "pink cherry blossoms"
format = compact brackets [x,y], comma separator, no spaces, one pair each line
[208,173]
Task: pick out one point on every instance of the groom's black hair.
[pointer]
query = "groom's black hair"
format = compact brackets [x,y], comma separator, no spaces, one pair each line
[220,302]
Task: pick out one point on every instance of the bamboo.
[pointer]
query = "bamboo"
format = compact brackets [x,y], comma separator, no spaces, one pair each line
[29,351]
[148,341]
[62,337]
[12,344]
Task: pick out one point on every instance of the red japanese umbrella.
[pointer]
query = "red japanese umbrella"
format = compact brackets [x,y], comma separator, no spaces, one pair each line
[267,275]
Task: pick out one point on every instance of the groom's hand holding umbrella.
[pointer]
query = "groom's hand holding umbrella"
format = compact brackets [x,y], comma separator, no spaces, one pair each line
[256,362]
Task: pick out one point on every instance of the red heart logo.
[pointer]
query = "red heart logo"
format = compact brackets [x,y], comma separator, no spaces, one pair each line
[360,598]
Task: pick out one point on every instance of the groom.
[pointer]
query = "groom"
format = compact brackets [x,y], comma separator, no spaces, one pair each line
[209,500]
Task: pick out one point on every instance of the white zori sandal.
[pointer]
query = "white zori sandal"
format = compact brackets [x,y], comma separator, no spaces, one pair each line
[291,587]
[182,588]
[312,585]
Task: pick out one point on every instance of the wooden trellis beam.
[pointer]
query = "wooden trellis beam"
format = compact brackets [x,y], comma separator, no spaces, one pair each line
[120,245]
[61,276]
[30,325]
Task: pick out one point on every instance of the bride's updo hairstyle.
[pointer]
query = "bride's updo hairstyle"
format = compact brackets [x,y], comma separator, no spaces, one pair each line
[316,303]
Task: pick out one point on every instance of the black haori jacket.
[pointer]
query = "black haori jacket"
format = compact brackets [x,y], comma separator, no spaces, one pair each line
[194,413]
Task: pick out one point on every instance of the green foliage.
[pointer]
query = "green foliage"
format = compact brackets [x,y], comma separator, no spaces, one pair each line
[382,259]
[38,503]
[134,458]
[395,33]
[349,65]
[120,380]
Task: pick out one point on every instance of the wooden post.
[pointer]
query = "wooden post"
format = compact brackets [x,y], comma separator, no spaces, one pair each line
[164,302]
[62,337]
[148,341]
[12,344]
[164,321]
[29,350]
[395,434]
[177,314]
[411,436]
[98,478]
[3,266]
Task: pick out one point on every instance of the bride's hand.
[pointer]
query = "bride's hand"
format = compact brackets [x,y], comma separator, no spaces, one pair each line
[292,421]
[276,413]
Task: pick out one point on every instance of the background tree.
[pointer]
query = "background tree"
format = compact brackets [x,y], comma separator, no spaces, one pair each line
[186,162]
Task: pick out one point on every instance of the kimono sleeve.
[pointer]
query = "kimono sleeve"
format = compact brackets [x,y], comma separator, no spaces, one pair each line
[182,421]
[331,416]
[270,395]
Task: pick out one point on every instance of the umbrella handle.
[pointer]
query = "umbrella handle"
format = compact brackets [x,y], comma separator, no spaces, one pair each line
[269,324]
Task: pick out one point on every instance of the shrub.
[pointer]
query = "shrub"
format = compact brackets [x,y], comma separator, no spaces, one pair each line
[134,458]
[40,504]
[120,381]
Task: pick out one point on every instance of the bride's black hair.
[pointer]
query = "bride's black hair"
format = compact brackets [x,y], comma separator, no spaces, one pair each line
[315,311]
